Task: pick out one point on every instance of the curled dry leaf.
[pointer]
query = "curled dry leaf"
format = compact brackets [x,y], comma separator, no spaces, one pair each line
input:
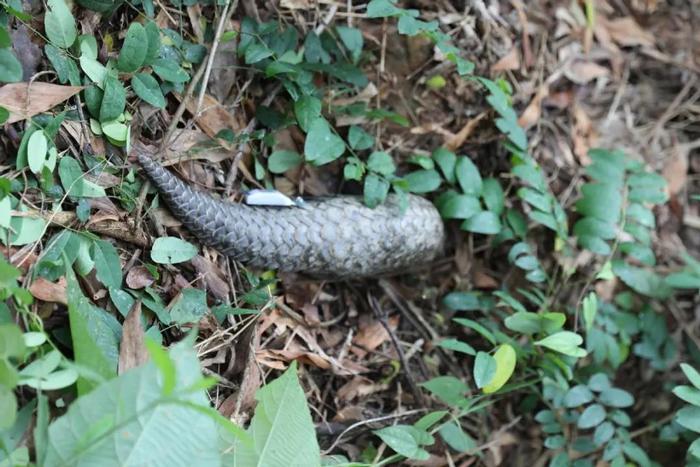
[132,350]
[676,169]
[627,32]
[212,276]
[582,72]
[24,100]
[534,109]
[372,336]
[359,386]
[139,277]
[46,291]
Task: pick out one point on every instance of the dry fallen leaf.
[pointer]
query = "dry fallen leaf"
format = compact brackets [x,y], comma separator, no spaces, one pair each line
[676,169]
[132,350]
[213,277]
[372,335]
[582,72]
[626,32]
[510,61]
[24,100]
[532,112]
[139,277]
[46,291]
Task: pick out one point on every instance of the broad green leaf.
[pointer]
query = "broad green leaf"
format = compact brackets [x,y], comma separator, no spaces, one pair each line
[484,369]
[599,382]
[93,69]
[591,417]
[95,335]
[688,393]
[471,324]
[60,24]
[11,340]
[133,52]
[172,250]
[115,130]
[282,428]
[578,396]
[644,281]
[153,37]
[114,99]
[381,163]
[36,151]
[257,52]
[524,322]
[460,207]
[64,65]
[603,433]
[307,109]
[423,181]
[107,264]
[505,365]
[462,301]
[405,440]
[447,161]
[359,139]
[636,453]
[689,417]
[382,9]
[468,176]
[169,70]
[615,397]
[493,196]
[602,201]
[565,342]
[589,309]
[375,190]
[25,230]
[10,67]
[8,408]
[189,306]
[322,144]
[352,40]
[74,182]
[457,346]
[281,161]
[127,419]
[147,88]
[448,389]
[555,442]
[683,280]
[4,115]
[692,374]
[484,222]
[453,434]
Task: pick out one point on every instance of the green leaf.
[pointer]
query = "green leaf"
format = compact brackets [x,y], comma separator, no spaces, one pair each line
[116,131]
[130,413]
[692,374]
[307,109]
[524,322]
[257,52]
[359,139]
[423,181]
[484,222]
[94,334]
[591,417]
[602,201]
[447,161]
[4,115]
[8,408]
[59,24]
[282,428]
[599,382]
[683,280]
[114,99]
[352,40]
[381,163]
[505,359]
[688,393]
[589,309]
[565,342]
[133,52]
[169,70]
[460,207]
[93,69]
[172,250]
[382,9]
[189,306]
[36,151]
[555,442]
[107,264]
[65,66]
[11,340]
[448,389]
[484,369]
[636,453]
[578,396]
[147,88]
[468,176]
[456,438]
[74,181]
[10,67]
[457,346]
[153,37]
[603,433]
[643,281]
[615,397]
[405,440]
[689,417]
[493,196]
[375,190]
[322,145]
[462,301]
[281,161]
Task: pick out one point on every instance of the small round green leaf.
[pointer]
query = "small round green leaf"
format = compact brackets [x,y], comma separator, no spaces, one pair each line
[147,88]
[36,151]
[484,222]
[281,161]
[172,250]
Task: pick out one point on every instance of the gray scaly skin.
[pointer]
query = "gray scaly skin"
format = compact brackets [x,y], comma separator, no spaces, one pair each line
[337,237]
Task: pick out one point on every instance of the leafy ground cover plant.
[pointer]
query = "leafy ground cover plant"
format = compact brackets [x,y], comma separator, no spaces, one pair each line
[583,295]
